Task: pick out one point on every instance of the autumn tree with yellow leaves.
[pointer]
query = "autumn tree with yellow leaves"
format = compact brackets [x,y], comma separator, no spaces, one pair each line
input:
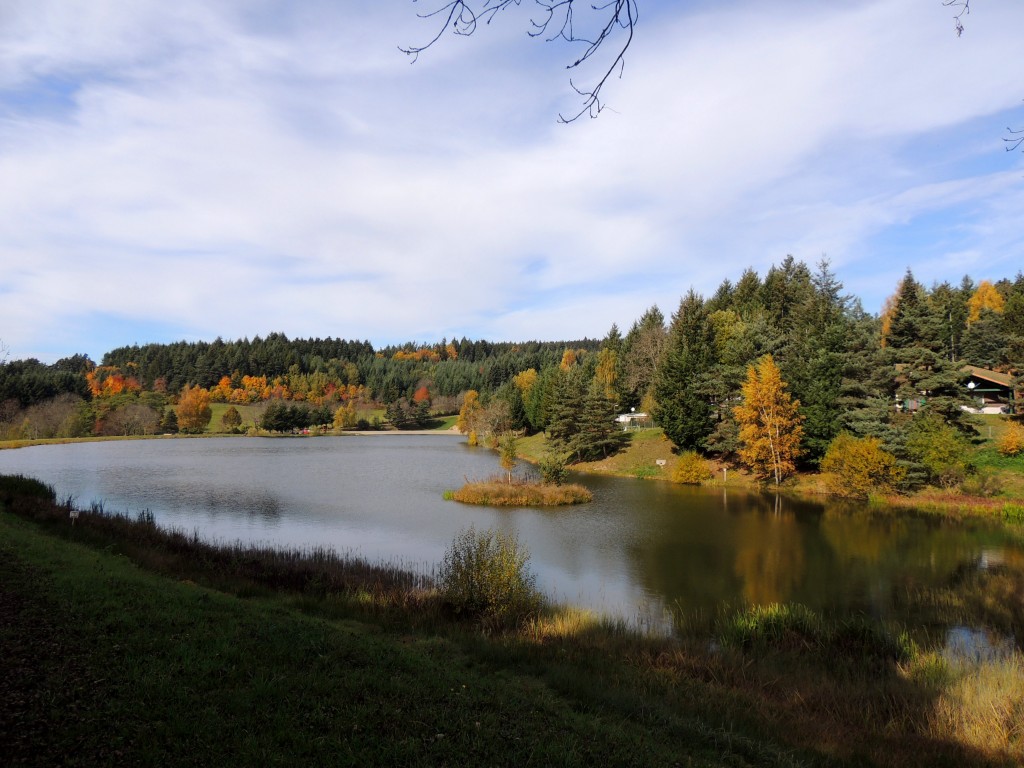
[984,297]
[470,415]
[770,424]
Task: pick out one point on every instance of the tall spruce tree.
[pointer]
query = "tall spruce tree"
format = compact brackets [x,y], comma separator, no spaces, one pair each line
[684,410]
[813,358]
[950,311]
[566,405]
[986,342]
[598,435]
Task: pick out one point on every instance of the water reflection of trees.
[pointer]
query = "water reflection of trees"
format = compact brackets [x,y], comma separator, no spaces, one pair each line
[859,539]
[770,555]
[701,550]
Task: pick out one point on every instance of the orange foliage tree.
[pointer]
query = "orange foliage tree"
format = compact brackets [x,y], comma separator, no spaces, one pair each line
[193,410]
[223,391]
[418,356]
[108,380]
[769,423]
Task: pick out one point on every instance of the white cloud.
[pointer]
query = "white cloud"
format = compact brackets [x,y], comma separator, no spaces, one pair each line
[253,167]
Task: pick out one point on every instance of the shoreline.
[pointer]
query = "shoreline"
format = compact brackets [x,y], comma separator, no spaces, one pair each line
[1005,510]
[10,445]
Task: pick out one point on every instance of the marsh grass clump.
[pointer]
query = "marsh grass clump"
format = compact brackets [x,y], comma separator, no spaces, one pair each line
[794,628]
[497,492]
[983,707]
[1013,513]
[485,576]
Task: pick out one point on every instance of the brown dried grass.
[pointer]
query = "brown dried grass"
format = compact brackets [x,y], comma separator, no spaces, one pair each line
[498,492]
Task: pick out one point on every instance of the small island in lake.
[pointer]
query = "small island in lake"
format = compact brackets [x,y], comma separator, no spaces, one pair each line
[498,492]
[509,491]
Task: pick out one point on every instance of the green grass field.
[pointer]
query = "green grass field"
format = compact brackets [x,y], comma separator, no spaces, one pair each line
[105,663]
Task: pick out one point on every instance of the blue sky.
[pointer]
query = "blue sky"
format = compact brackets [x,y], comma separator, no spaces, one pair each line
[197,169]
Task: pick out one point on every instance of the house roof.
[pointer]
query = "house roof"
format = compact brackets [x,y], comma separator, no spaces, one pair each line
[1003,379]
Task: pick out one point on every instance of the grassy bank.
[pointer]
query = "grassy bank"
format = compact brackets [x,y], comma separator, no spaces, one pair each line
[125,644]
[649,455]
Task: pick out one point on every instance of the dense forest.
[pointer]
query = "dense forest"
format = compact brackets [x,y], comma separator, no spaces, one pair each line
[708,375]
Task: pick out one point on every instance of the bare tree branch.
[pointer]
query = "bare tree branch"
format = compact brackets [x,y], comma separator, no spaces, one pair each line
[1016,137]
[460,16]
[964,7]
[556,21]
[1014,140]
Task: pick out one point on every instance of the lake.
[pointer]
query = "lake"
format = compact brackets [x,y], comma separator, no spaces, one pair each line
[640,548]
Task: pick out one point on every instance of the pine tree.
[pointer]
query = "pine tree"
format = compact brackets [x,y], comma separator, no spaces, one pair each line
[399,415]
[947,305]
[986,343]
[683,410]
[906,325]
[814,358]
[598,435]
[567,397]
[169,422]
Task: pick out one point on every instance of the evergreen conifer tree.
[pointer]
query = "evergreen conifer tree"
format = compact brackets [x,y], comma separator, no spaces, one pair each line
[566,407]
[598,435]
[683,410]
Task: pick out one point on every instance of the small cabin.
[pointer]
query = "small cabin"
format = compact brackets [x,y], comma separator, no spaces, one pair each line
[992,391]
[632,420]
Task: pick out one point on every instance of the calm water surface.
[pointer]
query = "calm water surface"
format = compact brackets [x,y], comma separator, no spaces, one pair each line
[639,548]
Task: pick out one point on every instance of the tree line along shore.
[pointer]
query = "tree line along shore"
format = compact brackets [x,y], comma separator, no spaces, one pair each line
[780,377]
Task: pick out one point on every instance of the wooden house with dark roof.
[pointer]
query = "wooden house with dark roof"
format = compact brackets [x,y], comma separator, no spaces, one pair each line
[992,390]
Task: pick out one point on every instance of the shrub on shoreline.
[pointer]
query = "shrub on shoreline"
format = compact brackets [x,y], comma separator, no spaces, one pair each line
[484,575]
[691,469]
[856,467]
[1012,441]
